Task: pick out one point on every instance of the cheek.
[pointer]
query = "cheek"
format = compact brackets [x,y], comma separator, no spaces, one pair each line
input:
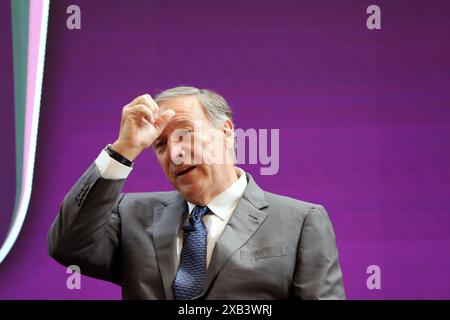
[196,144]
[213,150]
[203,172]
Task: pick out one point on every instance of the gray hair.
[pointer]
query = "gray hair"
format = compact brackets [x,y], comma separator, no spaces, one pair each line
[214,104]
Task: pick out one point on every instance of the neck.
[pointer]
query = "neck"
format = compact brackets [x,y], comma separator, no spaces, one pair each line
[227,177]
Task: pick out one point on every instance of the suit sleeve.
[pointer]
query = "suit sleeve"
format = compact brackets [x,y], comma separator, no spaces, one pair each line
[318,274]
[86,232]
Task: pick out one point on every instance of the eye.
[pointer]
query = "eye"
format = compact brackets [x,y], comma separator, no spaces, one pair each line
[186,133]
[160,144]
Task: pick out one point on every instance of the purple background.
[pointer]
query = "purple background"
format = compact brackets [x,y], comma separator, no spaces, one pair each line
[363,118]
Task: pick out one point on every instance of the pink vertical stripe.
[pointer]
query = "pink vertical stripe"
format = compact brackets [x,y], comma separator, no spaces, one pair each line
[34,37]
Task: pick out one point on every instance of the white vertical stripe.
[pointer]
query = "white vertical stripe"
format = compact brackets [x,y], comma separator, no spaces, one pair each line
[17,223]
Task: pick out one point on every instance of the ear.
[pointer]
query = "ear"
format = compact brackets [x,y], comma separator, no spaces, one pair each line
[228,131]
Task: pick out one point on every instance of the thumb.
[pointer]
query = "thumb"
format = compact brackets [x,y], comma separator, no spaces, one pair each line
[164,119]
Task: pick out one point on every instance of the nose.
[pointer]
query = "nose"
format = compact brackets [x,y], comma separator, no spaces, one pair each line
[177,153]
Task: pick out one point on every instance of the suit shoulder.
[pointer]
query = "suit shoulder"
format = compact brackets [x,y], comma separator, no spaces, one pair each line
[147,198]
[292,205]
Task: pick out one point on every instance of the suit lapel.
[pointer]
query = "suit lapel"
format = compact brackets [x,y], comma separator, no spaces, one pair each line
[243,223]
[167,223]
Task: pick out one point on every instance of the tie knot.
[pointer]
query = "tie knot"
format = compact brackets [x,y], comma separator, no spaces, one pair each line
[199,212]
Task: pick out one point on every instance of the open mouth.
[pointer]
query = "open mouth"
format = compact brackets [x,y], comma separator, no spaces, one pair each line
[185,171]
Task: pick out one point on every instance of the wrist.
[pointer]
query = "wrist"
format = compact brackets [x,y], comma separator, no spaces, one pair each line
[126,151]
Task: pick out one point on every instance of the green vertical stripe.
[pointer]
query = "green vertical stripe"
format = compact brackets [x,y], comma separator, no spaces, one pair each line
[20,20]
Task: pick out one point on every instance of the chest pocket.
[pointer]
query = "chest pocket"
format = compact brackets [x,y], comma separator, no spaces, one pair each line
[267,252]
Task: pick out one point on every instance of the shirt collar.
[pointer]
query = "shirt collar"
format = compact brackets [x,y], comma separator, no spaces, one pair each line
[225,203]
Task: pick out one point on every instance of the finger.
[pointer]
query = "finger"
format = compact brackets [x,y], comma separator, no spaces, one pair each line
[141,110]
[164,119]
[138,100]
[156,108]
[146,100]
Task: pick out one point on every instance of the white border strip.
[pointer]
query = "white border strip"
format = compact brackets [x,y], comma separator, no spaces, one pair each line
[17,223]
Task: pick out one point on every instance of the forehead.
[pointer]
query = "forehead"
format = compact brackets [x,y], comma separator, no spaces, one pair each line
[184,107]
[187,111]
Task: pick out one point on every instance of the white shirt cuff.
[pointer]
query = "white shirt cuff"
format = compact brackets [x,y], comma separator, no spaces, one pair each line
[109,168]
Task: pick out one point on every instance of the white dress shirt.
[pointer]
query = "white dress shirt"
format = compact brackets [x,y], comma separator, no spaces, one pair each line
[222,206]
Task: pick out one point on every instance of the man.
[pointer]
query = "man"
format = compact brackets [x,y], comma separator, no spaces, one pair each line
[218,236]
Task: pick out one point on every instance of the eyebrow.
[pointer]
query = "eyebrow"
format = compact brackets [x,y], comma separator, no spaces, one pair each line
[179,123]
[184,121]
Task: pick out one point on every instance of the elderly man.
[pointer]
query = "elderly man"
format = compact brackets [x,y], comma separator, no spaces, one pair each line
[218,236]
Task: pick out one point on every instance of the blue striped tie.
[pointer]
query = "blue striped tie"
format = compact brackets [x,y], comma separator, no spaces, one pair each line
[191,273]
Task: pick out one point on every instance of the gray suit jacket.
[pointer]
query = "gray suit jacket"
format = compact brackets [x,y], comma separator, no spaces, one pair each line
[273,247]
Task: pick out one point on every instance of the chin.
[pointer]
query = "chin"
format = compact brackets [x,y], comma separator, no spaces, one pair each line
[191,193]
